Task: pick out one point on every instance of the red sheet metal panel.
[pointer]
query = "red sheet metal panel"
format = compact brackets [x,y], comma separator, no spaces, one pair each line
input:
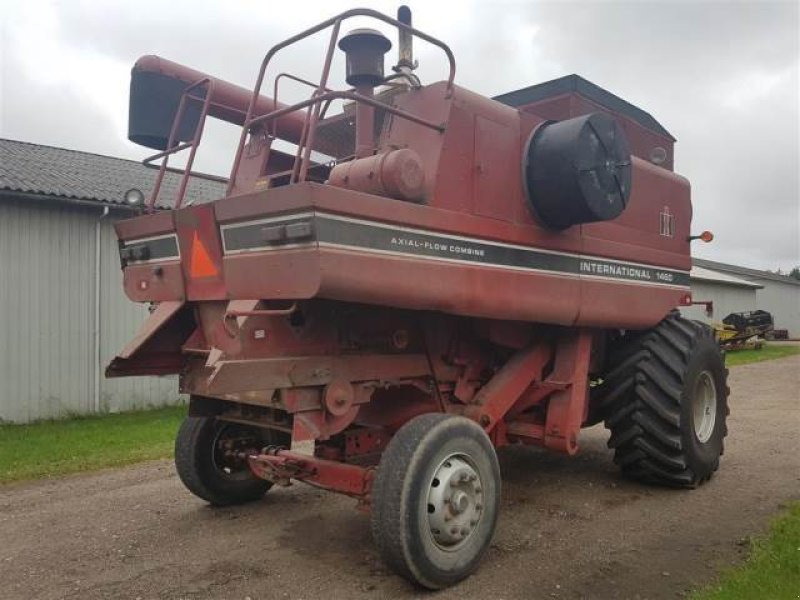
[199,241]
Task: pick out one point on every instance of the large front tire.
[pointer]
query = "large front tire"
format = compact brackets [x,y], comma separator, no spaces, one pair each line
[665,400]
[435,499]
[207,472]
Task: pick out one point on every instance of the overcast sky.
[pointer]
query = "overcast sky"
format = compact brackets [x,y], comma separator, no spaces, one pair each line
[722,77]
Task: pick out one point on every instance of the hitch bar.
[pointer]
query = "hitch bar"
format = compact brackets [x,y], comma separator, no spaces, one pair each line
[280,466]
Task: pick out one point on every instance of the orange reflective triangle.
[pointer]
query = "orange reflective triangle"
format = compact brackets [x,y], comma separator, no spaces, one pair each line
[201,265]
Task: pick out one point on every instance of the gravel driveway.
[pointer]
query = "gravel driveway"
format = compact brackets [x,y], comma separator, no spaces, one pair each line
[569,527]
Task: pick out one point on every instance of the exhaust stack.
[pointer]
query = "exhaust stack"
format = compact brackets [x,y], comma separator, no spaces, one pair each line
[405,43]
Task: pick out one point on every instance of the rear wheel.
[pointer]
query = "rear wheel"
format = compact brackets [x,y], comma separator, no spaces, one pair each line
[435,499]
[205,465]
[665,400]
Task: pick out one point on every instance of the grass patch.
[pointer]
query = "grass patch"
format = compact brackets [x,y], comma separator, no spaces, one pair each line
[51,448]
[772,570]
[768,352]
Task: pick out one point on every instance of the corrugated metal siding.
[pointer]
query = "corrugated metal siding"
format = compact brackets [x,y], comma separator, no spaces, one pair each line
[47,360]
[780,299]
[783,301]
[119,320]
[779,295]
[726,298]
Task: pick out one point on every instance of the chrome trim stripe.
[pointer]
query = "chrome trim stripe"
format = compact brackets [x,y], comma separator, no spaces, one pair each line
[335,231]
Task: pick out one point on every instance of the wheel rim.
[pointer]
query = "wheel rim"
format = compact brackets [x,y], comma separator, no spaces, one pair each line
[704,405]
[228,440]
[455,502]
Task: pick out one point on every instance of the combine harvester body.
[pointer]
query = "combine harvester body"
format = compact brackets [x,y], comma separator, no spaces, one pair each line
[458,273]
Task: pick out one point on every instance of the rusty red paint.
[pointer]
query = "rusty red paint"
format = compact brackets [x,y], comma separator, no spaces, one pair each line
[494,399]
[282,465]
[567,408]
[228,102]
[348,339]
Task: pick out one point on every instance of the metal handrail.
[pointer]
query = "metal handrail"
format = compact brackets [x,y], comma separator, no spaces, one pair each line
[193,174]
[343,95]
[335,24]
[173,149]
[316,101]
[274,131]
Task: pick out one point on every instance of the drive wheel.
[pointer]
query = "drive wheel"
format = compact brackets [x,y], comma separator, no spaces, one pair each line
[665,400]
[206,469]
[435,499]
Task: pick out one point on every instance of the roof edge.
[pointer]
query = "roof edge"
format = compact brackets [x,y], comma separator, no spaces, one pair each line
[74,200]
[576,84]
[746,271]
[130,160]
[739,283]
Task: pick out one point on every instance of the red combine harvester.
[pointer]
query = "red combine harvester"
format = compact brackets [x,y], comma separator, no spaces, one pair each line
[410,283]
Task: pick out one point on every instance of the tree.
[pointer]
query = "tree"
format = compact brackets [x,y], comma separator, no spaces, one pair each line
[795,273]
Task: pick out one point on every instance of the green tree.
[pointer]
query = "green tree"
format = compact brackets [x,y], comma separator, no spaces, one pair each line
[795,273]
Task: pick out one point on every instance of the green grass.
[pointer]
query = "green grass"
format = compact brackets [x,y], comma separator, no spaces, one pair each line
[768,352]
[771,572]
[51,448]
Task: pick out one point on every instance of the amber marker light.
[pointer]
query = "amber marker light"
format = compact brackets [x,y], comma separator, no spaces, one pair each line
[706,237]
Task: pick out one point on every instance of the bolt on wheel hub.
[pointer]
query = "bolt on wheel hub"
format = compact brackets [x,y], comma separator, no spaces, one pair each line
[455,502]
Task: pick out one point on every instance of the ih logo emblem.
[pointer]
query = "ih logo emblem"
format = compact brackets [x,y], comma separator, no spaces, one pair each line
[667,223]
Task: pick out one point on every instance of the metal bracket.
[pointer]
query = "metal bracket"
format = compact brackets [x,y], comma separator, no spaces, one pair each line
[280,466]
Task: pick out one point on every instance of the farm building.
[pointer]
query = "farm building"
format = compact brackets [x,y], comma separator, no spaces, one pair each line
[64,313]
[725,293]
[732,288]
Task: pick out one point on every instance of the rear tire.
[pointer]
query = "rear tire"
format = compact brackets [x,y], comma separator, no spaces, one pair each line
[665,400]
[207,473]
[435,499]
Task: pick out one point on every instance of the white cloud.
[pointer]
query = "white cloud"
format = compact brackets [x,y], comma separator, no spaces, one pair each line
[36,45]
[751,87]
[723,78]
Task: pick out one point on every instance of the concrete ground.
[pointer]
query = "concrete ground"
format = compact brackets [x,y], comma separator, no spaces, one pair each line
[569,527]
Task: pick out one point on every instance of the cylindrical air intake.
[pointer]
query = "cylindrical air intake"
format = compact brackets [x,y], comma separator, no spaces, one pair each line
[577,171]
[364,49]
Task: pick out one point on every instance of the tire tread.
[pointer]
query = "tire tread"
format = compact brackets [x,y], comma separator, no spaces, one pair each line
[642,396]
[194,472]
[395,485]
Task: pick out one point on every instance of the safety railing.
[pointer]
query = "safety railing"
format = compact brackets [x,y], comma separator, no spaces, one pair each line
[173,148]
[322,94]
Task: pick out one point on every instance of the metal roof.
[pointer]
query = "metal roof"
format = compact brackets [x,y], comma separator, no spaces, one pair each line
[587,89]
[744,271]
[60,173]
[701,274]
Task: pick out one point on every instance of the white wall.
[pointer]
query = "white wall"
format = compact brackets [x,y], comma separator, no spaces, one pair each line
[47,308]
[726,298]
[783,301]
